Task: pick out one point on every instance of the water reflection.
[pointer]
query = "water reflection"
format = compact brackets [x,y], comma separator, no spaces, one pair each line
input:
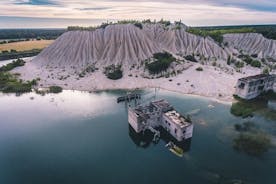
[144,140]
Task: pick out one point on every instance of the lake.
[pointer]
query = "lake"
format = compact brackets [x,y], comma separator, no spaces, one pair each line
[81,137]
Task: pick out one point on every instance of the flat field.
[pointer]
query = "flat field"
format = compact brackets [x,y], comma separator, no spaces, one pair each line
[26,45]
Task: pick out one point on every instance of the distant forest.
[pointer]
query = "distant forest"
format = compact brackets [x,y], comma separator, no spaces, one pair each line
[216,32]
[46,34]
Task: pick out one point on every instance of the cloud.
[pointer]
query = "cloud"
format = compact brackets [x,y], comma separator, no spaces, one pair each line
[191,12]
[36,2]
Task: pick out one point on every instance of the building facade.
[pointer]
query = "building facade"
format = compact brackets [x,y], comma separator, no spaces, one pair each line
[252,86]
[160,114]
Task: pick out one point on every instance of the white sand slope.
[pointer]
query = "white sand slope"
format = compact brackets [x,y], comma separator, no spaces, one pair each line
[252,43]
[62,62]
[124,44]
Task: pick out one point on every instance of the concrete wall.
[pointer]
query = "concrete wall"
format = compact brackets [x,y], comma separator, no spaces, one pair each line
[134,122]
[172,128]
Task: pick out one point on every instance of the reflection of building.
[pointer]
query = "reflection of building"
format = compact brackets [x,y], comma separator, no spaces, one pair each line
[160,114]
[252,86]
[144,140]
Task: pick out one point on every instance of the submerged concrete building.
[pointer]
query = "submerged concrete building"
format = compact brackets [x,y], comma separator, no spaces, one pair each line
[252,86]
[160,114]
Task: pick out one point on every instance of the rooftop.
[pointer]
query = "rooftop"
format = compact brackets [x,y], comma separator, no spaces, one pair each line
[255,77]
[177,118]
[163,104]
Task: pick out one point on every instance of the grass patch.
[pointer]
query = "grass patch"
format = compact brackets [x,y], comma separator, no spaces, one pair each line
[161,62]
[26,45]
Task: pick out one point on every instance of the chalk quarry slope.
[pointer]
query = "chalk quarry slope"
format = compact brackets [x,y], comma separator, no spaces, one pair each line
[252,43]
[124,44]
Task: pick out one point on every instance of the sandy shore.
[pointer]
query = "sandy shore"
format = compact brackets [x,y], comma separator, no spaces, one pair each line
[212,82]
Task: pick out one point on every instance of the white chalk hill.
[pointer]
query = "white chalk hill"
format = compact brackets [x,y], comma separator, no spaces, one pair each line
[127,44]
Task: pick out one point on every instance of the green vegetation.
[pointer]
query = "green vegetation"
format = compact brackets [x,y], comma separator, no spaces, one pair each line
[55,89]
[266,70]
[217,34]
[247,108]
[239,64]
[161,62]
[113,72]
[199,69]
[248,60]
[10,84]
[241,109]
[164,22]
[87,70]
[136,23]
[25,34]
[252,143]
[5,55]
[191,58]
[14,64]
[245,127]
[256,63]
[251,139]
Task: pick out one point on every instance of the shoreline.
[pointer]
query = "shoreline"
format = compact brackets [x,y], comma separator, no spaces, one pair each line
[212,83]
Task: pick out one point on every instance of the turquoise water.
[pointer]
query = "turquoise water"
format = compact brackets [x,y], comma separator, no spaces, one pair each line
[80,137]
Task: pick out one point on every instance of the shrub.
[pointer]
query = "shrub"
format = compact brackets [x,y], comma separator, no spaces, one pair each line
[266,70]
[162,63]
[214,63]
[10,84]
[14,64]
[55,89]
[191,58]
[199,69]
[113,72]
[239,64]
[256,63]
[138,24]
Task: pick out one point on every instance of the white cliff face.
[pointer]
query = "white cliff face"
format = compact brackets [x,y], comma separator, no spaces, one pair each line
[125,44]
[252,43]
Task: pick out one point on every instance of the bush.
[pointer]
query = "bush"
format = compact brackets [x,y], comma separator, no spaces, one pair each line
[14,64]
[139,25]
[239,64]
[191,58]
[55,89]
[199,69]
[266,70]
[10,84]
[113,72]
[162,63]
[256,63]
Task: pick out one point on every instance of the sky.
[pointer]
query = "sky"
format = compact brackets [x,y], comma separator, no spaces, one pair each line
[63,13]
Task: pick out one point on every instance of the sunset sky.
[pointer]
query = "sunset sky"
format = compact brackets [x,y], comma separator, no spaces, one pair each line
[62,13]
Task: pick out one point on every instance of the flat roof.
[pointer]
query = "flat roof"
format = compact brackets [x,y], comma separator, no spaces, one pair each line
[255,77]
[161,103]
[177,118]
